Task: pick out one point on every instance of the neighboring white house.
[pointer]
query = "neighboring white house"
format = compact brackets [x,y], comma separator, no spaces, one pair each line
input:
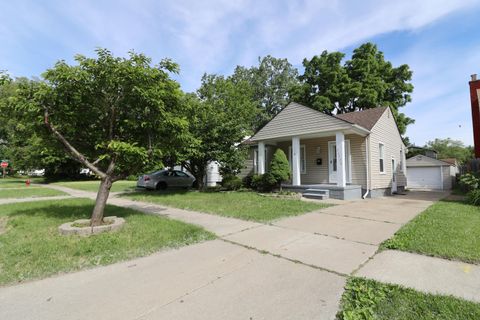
[213,176]
[349,155]
[427,173]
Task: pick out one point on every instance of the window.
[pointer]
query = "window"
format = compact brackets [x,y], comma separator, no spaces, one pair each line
[181,174]
[381,156]
[255,161]
[303,159]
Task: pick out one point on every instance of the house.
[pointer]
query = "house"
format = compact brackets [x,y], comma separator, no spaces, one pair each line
[424,172]
[345,156]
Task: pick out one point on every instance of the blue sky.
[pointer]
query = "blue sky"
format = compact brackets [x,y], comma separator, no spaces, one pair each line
[438,39]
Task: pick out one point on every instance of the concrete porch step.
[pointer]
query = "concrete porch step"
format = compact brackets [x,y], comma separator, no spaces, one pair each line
[320,194]
[315,196]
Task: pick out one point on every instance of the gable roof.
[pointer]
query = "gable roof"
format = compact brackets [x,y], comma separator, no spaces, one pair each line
[296,119]
[451,161]
[365,118]
[425,161]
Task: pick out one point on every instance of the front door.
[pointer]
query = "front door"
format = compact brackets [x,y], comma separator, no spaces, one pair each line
[394,176]
[332,161]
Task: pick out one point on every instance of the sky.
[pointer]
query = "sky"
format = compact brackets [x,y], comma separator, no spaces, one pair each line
[438,39]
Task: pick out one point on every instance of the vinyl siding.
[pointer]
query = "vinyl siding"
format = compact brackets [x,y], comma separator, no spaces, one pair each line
[318,174]
[385,131]
[296,119]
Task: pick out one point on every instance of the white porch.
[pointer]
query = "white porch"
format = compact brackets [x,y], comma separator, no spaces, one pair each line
[337,158]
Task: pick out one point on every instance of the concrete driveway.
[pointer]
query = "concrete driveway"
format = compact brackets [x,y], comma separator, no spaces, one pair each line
[293,268]
[340,238]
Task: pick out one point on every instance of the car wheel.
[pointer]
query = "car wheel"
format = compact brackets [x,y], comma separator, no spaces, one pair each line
[161,186]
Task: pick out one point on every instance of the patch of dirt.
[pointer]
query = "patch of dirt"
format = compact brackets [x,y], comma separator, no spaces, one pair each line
[3,225]
[455,197]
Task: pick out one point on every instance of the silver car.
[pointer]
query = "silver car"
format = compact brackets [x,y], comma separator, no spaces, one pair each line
[165,178]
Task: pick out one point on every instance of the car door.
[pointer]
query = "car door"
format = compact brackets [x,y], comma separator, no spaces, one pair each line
[183,180]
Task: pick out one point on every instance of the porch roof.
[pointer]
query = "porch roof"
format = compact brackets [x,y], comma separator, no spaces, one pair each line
[298,120]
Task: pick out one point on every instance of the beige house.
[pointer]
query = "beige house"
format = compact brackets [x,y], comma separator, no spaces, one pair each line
[352,155]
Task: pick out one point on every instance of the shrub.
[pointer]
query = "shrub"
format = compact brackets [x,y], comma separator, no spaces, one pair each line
[473,197]
[231,182]
[247,182]
[279,169]
[256,181]
[469,182]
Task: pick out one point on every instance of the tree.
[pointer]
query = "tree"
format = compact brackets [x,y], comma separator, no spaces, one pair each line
[279,168]
[219,117]
[365,81]
[113,115]
[271,82]
[449,148]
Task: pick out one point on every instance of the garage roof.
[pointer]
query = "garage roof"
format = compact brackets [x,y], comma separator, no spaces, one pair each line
[424,161]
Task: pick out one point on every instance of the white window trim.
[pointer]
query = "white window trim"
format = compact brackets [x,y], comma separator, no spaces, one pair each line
[302,151]
[380,156]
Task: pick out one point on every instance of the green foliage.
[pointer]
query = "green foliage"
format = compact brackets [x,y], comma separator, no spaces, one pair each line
[365,81]
[116,110]
[219,118]
[473,197]
[271,82]
[256,181]
[449,148]
[263,182]
[279,167]
[469,182]
[231,182]
[368,300]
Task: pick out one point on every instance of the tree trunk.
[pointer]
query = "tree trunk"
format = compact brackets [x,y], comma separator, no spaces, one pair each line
[200,181]
[101,202]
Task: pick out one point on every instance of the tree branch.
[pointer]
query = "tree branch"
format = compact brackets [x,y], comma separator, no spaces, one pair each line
[73,152]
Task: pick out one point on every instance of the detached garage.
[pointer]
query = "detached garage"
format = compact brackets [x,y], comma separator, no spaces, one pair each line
[428,173]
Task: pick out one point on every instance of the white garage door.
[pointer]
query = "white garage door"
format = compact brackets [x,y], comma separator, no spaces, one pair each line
[424,177]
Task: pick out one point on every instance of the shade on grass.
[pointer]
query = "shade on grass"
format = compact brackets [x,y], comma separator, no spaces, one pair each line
[368,299]
[242,205]
[32,247]
[27,192]
[118,186]
[448,229]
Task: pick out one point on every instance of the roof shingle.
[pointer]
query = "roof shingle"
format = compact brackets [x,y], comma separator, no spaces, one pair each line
[365,118]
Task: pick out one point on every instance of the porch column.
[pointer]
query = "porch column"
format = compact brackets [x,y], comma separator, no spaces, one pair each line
[341,172]
[296,161]
[261,157]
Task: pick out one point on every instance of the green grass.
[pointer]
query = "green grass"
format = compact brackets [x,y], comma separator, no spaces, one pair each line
[119,186]
[31,246]
[27,192]
[447,229]
[17,182]
[242,205]
[368,299]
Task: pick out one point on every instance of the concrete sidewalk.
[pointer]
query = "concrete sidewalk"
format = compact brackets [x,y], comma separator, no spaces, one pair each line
[214,280]
[427,274]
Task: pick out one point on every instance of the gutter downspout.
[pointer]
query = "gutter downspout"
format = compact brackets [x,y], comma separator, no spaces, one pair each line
[367,156]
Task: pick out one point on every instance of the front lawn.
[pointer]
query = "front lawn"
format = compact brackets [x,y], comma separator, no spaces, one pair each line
[448,229]
[18,182]
[241,205]
[368,299]
[31,246]
[29,192]
[92,186]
